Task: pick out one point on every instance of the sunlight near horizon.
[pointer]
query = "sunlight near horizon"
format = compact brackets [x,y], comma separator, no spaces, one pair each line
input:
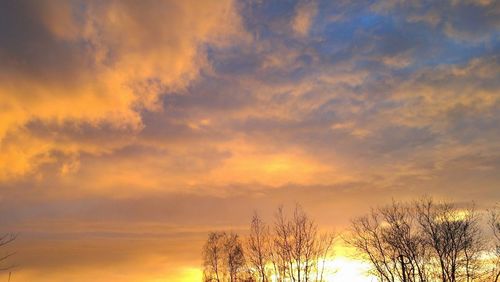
[347,269]
[339,268]
[342,268]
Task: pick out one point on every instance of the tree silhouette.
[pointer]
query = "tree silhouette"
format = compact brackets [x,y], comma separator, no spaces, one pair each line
[419,241]
[494,224]
[223,257]
[259,248]
[235,259]
[293,251]
[5,240]
[213,257]
[453,236]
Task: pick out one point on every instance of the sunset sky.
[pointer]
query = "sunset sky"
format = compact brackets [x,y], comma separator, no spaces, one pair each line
[130,129]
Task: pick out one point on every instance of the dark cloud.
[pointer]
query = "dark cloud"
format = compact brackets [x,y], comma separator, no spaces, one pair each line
[30,48]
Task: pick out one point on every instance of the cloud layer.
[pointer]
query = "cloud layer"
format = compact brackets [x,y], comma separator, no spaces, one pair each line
[134,127]
[96,64]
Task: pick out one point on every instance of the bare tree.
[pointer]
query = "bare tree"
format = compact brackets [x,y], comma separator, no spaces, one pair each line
[454,237]
[213,256]
[367,237]
[423,241]
[324,251]
[258,247]
[5,240]
[403,238]
[235,259]
[494,224]
[282,246]
[298,248]
[223,257]
[279,259]
[304,232]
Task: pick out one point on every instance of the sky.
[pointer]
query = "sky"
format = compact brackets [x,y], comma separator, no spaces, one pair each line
[130,129]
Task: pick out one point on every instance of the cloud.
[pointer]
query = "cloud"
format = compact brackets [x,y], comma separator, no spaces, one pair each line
[132,128]
[304,15]
[464,20]
[98,63]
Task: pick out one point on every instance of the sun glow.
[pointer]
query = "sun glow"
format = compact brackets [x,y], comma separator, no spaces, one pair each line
[346,269]
[343,269]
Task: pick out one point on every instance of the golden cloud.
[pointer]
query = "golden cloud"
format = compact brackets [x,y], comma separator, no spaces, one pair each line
[100,63]
[304,15]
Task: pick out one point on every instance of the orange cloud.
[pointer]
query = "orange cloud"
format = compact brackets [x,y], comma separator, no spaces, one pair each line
[101,63]
[304,15]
